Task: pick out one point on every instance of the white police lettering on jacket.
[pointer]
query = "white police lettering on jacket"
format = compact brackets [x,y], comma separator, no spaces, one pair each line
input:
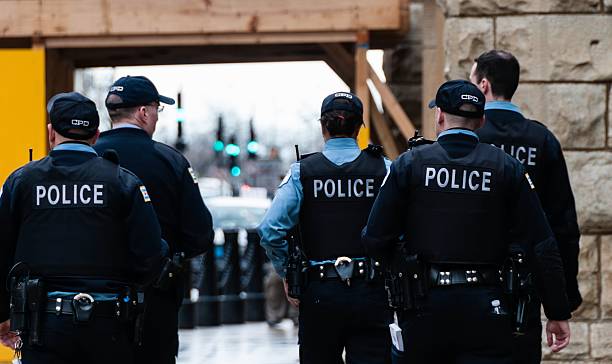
[343,188]
[69,194]
[525,155]
[457,179]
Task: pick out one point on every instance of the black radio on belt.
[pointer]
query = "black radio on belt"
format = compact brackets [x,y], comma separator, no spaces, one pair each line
[297,266]
[28,297]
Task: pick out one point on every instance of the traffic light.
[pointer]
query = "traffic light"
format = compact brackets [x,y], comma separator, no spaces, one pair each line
[218,146]
[233,151]
[180,118]
[252,145]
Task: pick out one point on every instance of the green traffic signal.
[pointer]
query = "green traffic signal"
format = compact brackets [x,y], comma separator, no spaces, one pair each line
[235,171]
[232,150]
[218,146]
[252,147]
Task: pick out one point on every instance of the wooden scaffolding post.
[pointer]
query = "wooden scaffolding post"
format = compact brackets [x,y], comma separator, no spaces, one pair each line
[384,133]
[361,85]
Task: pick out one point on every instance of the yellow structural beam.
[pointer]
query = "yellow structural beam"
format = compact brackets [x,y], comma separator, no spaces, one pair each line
[22,116]
[22,108]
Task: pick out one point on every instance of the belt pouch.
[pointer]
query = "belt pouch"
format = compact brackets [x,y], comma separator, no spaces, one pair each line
[36,298]
[18,304]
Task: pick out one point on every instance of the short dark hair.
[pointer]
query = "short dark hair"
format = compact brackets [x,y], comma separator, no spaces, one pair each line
[502,70]
[341,122]
[118,114]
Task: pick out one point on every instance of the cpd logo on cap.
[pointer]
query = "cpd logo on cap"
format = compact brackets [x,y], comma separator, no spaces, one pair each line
[342,94]
[116,88]
[469,97]
[77,122]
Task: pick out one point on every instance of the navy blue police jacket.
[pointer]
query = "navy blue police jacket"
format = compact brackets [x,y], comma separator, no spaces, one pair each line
[79,221]
[458,200]
[532,144]
[185,221]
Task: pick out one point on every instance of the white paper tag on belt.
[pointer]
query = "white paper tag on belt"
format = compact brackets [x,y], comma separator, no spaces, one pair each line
[396,336]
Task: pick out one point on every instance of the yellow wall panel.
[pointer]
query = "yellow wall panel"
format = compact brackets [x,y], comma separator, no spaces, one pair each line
[22,108]
[22,116]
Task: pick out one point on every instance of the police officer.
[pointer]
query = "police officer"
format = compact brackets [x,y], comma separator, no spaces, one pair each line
[330,194]
[83,232]
[455,202]
[496,73]
[133,105]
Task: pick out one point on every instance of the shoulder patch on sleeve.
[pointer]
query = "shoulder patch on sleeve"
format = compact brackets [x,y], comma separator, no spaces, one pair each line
[529,180]
[145,194]
[193,175]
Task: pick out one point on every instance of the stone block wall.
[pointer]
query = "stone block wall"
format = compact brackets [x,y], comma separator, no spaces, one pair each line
[565,51]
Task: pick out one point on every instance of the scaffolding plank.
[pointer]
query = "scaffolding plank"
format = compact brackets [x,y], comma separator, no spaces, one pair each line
[26,18]
[392,106]
[384,134]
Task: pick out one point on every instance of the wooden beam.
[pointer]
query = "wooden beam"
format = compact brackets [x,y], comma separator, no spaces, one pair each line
[341,61]
[384,134]
[433,62]
[140,17]
[110,57]
[198,40]
[59,73]
[392,106]
[361,85]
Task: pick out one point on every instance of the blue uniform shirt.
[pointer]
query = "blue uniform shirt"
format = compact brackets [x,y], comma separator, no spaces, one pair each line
[502,105]
[75,147]
[284,212]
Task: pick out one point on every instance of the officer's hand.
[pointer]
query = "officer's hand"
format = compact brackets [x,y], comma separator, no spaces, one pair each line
[294,301]
[561,332]
[7,338]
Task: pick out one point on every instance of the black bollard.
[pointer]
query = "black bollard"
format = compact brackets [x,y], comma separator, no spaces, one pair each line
[208,302]
[188,311]
[252,279]
[232,303]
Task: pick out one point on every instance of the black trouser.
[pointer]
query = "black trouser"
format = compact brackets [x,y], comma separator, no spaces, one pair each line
[457,325]
[336,317]
[102,340]
[160,332]
[528,347]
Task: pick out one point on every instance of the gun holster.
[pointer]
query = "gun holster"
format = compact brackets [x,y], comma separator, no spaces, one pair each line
[518,285]
[406,281]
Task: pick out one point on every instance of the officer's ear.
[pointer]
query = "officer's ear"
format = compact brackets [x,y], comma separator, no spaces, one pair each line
[480,123]
[439,115]
[94,139]
[52,135]
[485,86]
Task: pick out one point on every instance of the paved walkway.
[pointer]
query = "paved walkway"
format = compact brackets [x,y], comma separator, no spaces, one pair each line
[251,343]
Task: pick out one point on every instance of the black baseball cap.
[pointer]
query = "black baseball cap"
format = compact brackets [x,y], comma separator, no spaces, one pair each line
[73,115]
[330,103]
[135,91]
[453,94]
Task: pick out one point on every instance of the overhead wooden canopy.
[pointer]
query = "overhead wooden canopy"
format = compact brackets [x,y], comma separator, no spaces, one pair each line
[68,18]
[89,33]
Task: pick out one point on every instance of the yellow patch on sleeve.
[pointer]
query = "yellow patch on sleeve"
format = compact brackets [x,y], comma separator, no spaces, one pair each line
[529,180]
[145,194]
